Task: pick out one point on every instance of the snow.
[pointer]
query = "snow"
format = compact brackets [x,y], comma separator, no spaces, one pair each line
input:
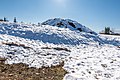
[46,33]
[68,23]
[33,55]
[102,62]
[86,56]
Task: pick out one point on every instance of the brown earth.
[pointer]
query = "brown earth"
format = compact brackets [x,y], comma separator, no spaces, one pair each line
[21,71]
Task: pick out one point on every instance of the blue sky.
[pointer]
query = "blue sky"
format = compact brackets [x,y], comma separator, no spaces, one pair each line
[95,14]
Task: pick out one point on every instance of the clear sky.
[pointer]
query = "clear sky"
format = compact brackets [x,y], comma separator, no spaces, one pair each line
[95,14]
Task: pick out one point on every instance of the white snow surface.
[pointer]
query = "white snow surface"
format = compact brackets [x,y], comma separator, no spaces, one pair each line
[86,56]
[68,23]
[48,34]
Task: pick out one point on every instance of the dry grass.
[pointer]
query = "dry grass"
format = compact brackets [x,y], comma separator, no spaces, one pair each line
[57,48]
[23,72]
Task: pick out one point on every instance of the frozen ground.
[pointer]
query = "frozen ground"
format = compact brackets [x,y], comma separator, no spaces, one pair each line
[86,56]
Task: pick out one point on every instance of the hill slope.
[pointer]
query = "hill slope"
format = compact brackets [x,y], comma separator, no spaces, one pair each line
[67,23]
[48,34]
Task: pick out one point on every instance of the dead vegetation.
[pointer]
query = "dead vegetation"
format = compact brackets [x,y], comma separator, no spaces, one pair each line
[21,71]
[118,46]
[15,44]
[57,48]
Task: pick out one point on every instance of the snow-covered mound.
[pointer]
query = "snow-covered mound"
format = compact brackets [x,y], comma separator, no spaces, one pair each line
[67,23]
[48,34]
[84,56]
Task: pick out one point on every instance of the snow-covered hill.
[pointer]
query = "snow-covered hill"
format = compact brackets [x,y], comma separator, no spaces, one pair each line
[86,56]
[67,23]
[48,34]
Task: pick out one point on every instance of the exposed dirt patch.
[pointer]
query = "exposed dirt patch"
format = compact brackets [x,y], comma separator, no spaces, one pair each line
[15,44]
[118,46]
[23,72]
[70,23]
[57,48]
